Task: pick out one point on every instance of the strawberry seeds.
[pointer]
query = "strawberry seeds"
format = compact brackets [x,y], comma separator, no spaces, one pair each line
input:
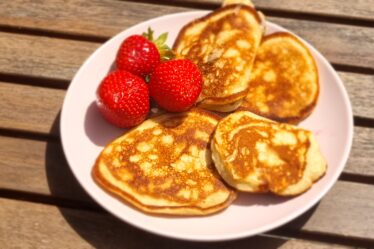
[123,96]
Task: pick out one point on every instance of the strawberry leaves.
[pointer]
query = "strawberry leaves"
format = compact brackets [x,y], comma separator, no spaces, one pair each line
[165,51]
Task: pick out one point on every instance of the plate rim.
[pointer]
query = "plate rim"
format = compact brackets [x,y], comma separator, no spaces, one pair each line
[231,236]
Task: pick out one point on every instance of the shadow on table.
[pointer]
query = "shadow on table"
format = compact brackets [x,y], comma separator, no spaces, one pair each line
[102,230]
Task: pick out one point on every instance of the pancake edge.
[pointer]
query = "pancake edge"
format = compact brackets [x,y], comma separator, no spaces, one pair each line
[228,103]
[314,158]
[126,198]
[307,110]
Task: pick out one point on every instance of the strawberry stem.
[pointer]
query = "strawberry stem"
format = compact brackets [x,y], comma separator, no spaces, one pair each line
[166,53]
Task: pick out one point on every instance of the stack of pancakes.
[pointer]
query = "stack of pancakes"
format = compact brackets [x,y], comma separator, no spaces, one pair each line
[223,45]
[193,163]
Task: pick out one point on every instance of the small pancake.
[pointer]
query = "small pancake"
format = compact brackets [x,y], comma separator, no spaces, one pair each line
[284,82]
[223,45]
[164,166]
[257,155]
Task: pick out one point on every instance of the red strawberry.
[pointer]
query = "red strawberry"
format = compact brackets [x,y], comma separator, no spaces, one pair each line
[141,54]
[137,55]
[123,99]
[175,85]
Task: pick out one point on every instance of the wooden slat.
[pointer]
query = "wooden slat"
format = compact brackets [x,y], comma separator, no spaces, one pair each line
[340,44]
[30,108]
[31,225]
[42,56]
[60,59]
[360,89]
[39,167]
[344,44]
[36,157]
[345,210]
[78,16]
[81,17]
[363,10]
[38,107]
[361,159]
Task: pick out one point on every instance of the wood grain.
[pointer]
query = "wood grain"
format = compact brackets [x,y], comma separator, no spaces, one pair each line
[362,11]
[344,211]
[40,166]
[344,44]
[102,18]
[78,15]
[38,107]
[32,225]
[337,42]
[60,59]
[360,88]
[37,167]
[42,57]
[30,108]
[361,159]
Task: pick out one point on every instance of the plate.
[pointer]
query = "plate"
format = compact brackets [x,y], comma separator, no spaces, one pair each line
[84,133]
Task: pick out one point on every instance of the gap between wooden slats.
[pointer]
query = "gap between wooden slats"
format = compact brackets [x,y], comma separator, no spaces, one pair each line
[82,229]
[48,180]
[322,223]
[40,120]
[325,11]
[347,45]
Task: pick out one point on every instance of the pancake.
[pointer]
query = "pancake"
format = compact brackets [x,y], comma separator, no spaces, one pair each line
[164,166]
[245,2]
[223,45]
[258,155]
[248,3]
[284,83]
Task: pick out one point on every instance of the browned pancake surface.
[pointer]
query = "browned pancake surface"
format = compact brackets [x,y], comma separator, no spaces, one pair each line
[284,84]
[164,166]
[260,137]
[255,154]
[223,45]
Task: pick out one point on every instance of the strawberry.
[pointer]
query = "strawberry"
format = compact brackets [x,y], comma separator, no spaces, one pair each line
[123,99]
[175,85]
[140,54]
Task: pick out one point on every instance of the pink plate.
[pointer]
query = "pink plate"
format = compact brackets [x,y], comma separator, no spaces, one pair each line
[84,134]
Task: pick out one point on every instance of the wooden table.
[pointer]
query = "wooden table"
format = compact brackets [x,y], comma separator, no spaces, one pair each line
[42,45]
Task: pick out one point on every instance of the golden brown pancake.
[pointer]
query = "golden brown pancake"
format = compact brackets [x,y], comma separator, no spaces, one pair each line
[223,45]
[164,166]
[284,82]
[258,155]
